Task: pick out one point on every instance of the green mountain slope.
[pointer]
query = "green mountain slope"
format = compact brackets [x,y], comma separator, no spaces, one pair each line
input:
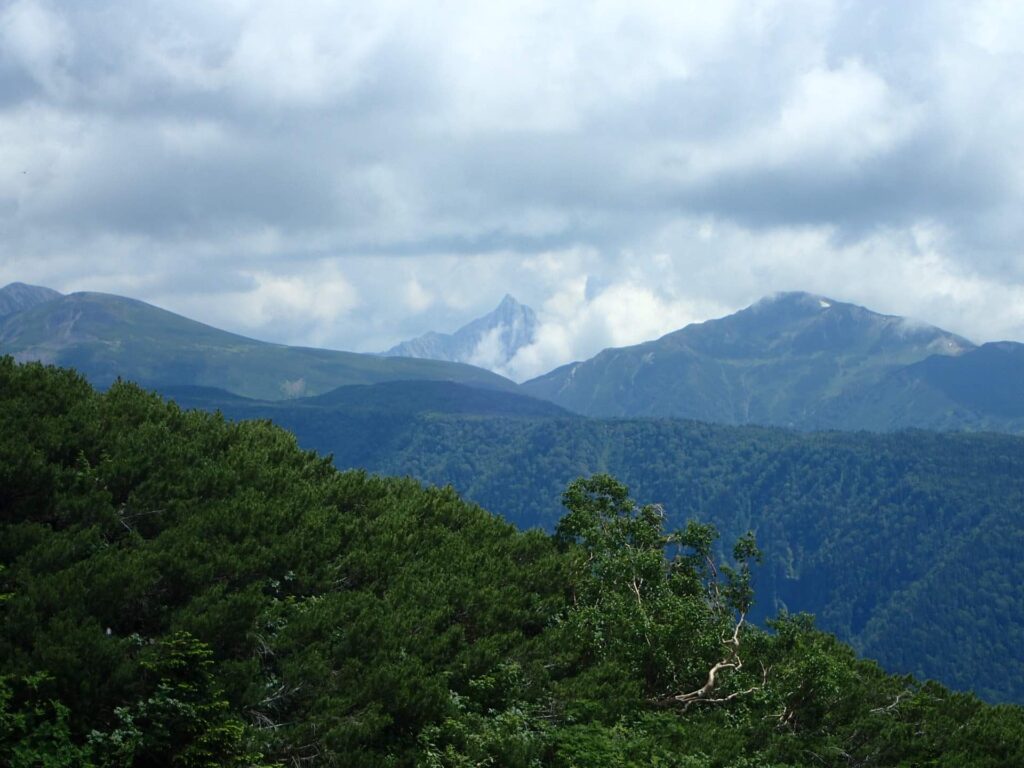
[980,389]
[106,336]
[364,421]
[789,360]
[178,590]
[978,576]
[852,524]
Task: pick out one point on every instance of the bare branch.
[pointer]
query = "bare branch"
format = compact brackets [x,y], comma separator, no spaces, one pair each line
[895,703]
[733,662]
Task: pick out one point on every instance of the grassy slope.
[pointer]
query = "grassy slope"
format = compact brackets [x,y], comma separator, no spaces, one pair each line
[107,336]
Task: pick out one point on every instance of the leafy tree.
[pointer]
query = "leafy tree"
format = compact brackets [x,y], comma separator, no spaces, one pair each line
[34,727]
[678,623]
[184,721]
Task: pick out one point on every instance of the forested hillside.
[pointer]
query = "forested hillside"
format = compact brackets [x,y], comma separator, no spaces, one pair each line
[855,527]
[179,590]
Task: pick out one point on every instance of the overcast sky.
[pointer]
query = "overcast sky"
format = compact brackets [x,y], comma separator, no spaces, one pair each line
[352,174]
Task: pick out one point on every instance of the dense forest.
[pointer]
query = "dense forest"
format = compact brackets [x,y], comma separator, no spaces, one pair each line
[905,545]
[183,590]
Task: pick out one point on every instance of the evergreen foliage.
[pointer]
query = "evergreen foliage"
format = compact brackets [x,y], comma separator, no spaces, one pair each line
[185,591]
[905,545]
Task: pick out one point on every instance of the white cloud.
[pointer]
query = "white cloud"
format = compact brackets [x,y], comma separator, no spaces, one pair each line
[308,54]
[834,117]
[489,352]
[830,125]
[38,41]
[302,308]
[574,326]
[416,297]
[624,168]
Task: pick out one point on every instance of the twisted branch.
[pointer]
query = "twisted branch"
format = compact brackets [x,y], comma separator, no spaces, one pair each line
[731,661]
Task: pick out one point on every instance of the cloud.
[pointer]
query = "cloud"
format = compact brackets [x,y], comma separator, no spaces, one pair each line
[38,42]
[301,307]
[575,326]
[836,120]
[490,352]
[353,175]
[416,297]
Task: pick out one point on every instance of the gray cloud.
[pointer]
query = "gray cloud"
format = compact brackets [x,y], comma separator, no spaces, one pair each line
[352,174]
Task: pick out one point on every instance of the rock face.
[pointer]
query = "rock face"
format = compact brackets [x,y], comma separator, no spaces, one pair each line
[489,342]
[794,359]
[17,297]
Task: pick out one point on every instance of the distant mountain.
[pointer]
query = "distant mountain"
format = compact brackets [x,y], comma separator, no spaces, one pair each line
[17,297]
[794,359]
[490,341]
[106,336]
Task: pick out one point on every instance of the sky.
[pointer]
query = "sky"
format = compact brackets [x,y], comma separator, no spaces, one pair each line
[350,175]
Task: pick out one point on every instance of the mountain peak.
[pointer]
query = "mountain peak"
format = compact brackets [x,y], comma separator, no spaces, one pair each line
[490,341]
[783,360]
[797,314]
[105,336]
[26,288]
[799,298]
[17,297]
[803,303]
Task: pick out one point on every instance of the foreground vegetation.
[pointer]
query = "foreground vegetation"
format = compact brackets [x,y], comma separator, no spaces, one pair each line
[179,590]
[905,545]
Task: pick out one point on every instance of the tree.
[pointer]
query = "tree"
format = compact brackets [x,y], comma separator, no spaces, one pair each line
[677,623]
[34,727]
[185,721]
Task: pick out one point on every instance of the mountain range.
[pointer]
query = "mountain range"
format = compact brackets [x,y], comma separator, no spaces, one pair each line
[795,359]
[106,337]
[490,341]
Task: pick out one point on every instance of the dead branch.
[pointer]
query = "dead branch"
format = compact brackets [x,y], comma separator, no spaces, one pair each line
[731,661]
[123,517]
[895,703]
